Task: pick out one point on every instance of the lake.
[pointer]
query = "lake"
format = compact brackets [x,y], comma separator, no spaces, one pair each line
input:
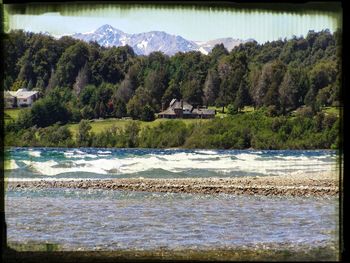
[93,219]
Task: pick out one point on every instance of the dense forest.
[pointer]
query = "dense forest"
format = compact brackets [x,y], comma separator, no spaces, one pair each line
[78,80]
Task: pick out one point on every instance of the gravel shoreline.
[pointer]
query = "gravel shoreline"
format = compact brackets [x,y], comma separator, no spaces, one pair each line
[293,185]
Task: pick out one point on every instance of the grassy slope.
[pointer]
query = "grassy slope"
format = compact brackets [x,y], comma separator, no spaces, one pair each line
[11,114]
[331,110]
[101,125]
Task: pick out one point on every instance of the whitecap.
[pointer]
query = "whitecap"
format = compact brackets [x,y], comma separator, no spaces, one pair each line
[34,153]
[104,152]
[247,163]
[79,154]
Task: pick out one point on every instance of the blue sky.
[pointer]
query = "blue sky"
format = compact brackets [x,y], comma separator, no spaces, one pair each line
[191,23]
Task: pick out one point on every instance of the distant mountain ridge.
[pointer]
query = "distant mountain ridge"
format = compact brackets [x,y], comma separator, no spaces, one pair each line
[145,43]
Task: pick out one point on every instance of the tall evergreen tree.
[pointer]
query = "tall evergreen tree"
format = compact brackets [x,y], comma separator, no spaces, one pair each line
[211,87]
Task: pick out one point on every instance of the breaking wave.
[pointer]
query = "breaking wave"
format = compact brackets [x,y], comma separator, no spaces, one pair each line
[169,163]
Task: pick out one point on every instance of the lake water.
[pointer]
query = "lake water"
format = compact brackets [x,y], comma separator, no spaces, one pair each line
[106,219]
[92,163]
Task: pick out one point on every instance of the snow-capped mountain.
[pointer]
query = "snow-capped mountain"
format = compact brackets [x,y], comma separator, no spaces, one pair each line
[145,43]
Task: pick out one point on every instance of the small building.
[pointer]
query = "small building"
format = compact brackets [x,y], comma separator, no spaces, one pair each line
[20,98]
[182,109]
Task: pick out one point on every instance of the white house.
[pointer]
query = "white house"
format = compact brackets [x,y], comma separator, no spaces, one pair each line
[20,98]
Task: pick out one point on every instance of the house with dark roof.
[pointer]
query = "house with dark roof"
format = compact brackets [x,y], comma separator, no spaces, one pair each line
[182,109]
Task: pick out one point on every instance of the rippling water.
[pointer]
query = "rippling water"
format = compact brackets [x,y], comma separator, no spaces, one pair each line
[92,163]
[102,219]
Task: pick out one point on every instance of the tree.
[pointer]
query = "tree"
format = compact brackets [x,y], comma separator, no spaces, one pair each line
[292,89]
[81,80]
[131,133]
[321,75]
[242,98]
[129,84]
[111,65]
[83,135]
[119,110]
[15,45]
[147,113]
[231,109]
[172,92]
[216,53]
[53,82]
[136,105]
[192,91]
[99,99]
[18,84]
[156,82]
[269,82]
[87,112]
[71,61]
[211,87]
[232,70]
[47,111]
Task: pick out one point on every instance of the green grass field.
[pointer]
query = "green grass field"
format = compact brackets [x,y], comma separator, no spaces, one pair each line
[331,110]
[98,126]
[11,114]
[101,125]
[219,113]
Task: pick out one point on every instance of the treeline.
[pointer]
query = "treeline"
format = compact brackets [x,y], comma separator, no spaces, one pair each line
[241,131]
[80,80]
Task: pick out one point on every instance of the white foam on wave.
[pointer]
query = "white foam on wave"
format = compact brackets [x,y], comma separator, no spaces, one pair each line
[52,168]
[179,162]
[78,154]
[206,152]
[34,153]
[104,152]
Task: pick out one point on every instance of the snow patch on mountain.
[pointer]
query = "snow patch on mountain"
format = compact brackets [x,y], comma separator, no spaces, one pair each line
[145,43]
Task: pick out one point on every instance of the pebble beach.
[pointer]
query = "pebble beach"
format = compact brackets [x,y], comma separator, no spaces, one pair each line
[321,184]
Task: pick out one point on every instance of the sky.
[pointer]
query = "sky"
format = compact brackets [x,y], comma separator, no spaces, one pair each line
[191,23]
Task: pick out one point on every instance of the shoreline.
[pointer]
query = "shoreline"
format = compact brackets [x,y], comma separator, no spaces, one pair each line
[260,253]
[293,185]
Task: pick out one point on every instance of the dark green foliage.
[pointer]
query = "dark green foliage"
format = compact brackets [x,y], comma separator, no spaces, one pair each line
[84,137]
[119,108]
[129,137]
[232,109]
[111,137]
[292,89]
[48,111]
[79,80]
[111,65]
[259,131]
[54,136]
[283,73]
[165,135]
[69,64]
[87,113]
[240,131]
[136,105]
[147,113]
[242,97]
[211,87]
[269,83]
[173,91]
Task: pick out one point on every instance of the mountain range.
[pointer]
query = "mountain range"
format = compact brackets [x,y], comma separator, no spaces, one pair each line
[145,43]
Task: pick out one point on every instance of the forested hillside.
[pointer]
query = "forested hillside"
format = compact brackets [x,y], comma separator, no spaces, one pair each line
[93,81]
[79,80]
